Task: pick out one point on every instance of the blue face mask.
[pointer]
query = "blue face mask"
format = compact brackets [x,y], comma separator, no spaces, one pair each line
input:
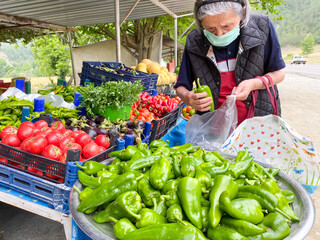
[223,40]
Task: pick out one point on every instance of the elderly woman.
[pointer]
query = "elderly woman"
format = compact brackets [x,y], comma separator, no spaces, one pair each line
[228,51]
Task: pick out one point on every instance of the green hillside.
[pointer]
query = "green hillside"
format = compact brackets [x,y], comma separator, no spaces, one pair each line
[300,17]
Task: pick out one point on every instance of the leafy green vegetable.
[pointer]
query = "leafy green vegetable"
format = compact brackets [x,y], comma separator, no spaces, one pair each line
[110,94]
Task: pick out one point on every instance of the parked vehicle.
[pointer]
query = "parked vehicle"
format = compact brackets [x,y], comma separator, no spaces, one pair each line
[298,60]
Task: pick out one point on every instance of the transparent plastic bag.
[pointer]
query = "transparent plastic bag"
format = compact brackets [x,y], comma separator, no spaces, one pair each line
[212,129]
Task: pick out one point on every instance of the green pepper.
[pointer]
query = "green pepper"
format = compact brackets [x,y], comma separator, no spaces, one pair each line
[17,103]
[266,199]
[240,181]
[147,174]
[206,89]
[161,207]
[225,233]
[221,184]
[163,151]
[204,202]
[288,194]
[171,198]
[199,153]
[215,170]
[189,192]
[239,166]
[143,162]
[143,148]
[176,231]
[89,181]
[205,218]
[106,174]
[187,148]
[284,206]
[122,227]
[211,157]
[160,172]
[273,171]
[204,178]
[125,154]
[147,217]
[108,192]
[277,226]
[83,195]
[176,165]
[188,167]
[158,143]
[92,167]
[118,208]
[149,195]
[253,172]
[170,185]
[241,226]
[174,214]
[241,208]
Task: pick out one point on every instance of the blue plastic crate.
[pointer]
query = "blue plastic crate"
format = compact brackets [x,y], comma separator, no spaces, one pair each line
[91,71]
[56,195]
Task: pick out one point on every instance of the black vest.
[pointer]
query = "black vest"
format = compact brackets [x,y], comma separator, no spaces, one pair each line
[250,61]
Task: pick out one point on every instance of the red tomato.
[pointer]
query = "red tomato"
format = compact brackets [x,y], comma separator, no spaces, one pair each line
[3,160]
[53,139]
[36,131]
[25,130]
[67,133]
[76,133]
[59,134]
[36,144]
[44,131]
[23,144]
[8,130]
[64,142]
[72,146]
[59,126]
[33,170]
[102,149]
[83,139]
[90,150]
[63,158]
[102,140]
[52,152]
[41,124]
[11,140]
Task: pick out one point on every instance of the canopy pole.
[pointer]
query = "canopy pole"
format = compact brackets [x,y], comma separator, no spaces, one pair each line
[175,42]
[187,29]
[72,60]
[117,26]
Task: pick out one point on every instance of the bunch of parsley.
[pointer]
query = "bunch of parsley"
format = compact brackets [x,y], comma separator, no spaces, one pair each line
[114,94]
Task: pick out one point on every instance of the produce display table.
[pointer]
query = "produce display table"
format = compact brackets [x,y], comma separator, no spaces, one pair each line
[17,199]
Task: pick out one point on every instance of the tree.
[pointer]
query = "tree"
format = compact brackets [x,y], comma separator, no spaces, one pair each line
[52,55]
[5,69]
[307,44]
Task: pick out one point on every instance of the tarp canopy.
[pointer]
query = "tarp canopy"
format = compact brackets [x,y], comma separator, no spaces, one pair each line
[69,13]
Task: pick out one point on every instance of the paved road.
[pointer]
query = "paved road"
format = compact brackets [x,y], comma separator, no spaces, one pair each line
[307,70]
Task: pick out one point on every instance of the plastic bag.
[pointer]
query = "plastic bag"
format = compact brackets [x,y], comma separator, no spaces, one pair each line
[271,140]
[55,100]
[211,129]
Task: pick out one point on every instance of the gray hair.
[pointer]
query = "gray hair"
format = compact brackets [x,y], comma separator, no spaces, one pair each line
[215,8]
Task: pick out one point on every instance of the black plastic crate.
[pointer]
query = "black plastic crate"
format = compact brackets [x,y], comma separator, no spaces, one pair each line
[91,71]
[161,127]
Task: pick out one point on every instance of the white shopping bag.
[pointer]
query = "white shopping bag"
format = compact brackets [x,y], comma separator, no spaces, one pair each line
[271,140]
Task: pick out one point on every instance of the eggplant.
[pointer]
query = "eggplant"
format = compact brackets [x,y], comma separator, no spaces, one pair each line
[129,131]
[91,123]
[138,124]
[83,118]
[99,119]
[102,131]
[72,128]
[68,121]
[129,124]
[92,133]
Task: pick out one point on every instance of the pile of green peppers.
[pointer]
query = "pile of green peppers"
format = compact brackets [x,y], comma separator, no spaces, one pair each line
[11,111]
[67,93]
[184,192]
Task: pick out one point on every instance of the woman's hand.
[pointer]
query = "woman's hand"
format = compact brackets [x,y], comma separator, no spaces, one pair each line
[198,101]
[243,90]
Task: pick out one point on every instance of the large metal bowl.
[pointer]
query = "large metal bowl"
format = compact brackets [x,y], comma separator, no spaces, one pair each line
[303,207]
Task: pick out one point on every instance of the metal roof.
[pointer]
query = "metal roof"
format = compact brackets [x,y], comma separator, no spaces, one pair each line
[69,13]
